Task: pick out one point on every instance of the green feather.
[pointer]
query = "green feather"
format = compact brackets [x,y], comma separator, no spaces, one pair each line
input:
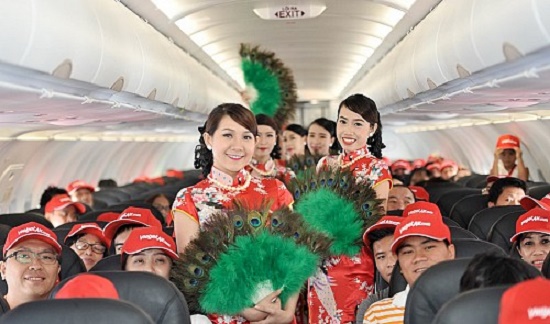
[266,85]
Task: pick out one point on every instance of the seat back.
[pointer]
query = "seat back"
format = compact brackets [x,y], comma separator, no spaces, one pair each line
[458,233]
[13,220]
[504,229]
[467,248]
[474,180]
[464,209]
[436,189]
[432,289]
[546,267]
[397,281]
[81,310]
[448,199]
[109,263]
[157,296]
[478,306]
[483,221]
[4,230]
[539,191]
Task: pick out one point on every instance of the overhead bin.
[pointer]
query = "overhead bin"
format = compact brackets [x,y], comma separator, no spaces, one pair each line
[104,43]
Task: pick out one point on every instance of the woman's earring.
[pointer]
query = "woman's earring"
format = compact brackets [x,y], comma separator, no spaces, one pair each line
[370,135]
[208,147]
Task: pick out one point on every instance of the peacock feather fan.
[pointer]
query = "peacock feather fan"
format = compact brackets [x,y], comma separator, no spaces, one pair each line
[247,254]
[301,163]
[333,203]
[272,84]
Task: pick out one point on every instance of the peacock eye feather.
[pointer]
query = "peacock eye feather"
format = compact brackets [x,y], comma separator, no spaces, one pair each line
[322,182]
[275,222]
[238,223]
[297,194]
[255,222]
[312,185]
[366,206]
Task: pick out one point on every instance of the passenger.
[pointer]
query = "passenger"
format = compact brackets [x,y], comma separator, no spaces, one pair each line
[489,270]
[117,231]
[421,241]
[89,243]
[161,203]
[418,163]
[379,238]
[448,170]
[532,238]
[527,302]
[508,160]
[506,192]
[294,141]
[149,249]
[434,170]
[87,285]
[462,172]
[490,181]
[321,137]
[420,194]
[81,192]
[106,184]
[400,197]
[30,264]
[48,194]
[61,210]
[227,143]
[400,169]
[418,176]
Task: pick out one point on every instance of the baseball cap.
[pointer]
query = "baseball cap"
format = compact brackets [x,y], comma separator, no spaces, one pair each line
[507,141]
[131,216]
[529,202]
[79,184]
[534,220]
[432,166]
[420,193]
[107,216]
[447,164]
[527,302]
[420,224]
[59,202]
[418,163]
[145,238]
[29,231]
[422,208]
[401,164]
[87,285]
[387,221]
[88,228]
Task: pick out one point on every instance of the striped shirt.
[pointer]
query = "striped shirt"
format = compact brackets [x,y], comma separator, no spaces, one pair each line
[387,311]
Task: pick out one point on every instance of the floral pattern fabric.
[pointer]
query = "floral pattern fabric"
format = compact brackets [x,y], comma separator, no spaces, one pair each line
[278,171]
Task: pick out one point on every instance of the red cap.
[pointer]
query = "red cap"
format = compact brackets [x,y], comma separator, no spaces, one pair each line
[507,141]
[88,228]
[172,173]
[420,225]
[107,217]
[384,222]
[434,158]
[420,193]
[29,231]
[79,184]
[447,164]
[535,220]
[131,216]
[527,302]
[401,164]
[62,201]
[529,203]
[418,163]
[422,208]
[88,285]
[145,238]
[432,166]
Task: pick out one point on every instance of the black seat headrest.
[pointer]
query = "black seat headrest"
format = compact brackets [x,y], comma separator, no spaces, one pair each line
[539,191]
[460,233]
[546,267]
[82,311]
[464,209]
[109,263]
[448,199]
[157,296]
[4,230]
[478,306]
[504,229]
[482,222]
[23,218]
[467,248]
[432,289]
[397,281]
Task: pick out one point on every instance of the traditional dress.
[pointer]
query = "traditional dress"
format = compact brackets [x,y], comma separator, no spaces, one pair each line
[343,282]
[217,192]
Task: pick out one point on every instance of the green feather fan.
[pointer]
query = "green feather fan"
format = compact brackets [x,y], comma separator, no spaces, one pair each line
[333,203]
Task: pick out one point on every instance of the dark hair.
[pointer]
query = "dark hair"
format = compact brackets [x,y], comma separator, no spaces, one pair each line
[330,127]
[366,107]
[48,194]
[499,185]
[377,235]
[296,128]
[488,270]
[238,113]
[262,119]
[107,183]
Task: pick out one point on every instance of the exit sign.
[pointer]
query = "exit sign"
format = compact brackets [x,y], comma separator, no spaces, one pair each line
[290,12]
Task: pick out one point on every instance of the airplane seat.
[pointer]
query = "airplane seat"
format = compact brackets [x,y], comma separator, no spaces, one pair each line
[104,198]
[448,199]
[77,310]
[539,192]
[158,297]
[483,221]
[462,181]
[478,306]
[397,281]
[108,263]
[93,215]
[62,230]
[436,286]
[467,248]
[458,232]
[4,230]
[100,204]
[17,219]
[504,229]
[111,196]
[464,209]
[475,179]
[437,189]
[546,267]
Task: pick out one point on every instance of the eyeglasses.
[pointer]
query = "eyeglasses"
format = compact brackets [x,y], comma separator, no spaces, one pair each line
[96,247]
[26,257]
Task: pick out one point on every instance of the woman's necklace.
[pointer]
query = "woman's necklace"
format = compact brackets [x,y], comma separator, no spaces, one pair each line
[350,163]
[231,188]
[266,173]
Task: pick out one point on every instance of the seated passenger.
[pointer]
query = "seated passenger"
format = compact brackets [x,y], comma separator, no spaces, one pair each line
[532,238]
[434,170]
[61,210]
[463,171]
[420,194]
[399,197]
[417,176]
[161,203]
[508,160]
[117,231]
[448,169]
[89,243]
[48,194]
[527,302]
[421,240]
[379,238]
[400,169]
[506,192]
[87,285]
[149,249]
[82,192]
[30,264]
[489,270]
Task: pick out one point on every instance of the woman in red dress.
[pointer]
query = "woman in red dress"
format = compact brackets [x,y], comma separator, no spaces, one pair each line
[345,281]
[226,147]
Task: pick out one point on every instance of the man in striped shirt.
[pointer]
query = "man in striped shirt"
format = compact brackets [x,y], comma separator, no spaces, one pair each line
[421,240]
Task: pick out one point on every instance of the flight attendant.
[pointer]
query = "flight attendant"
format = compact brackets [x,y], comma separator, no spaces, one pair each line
[321,137]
